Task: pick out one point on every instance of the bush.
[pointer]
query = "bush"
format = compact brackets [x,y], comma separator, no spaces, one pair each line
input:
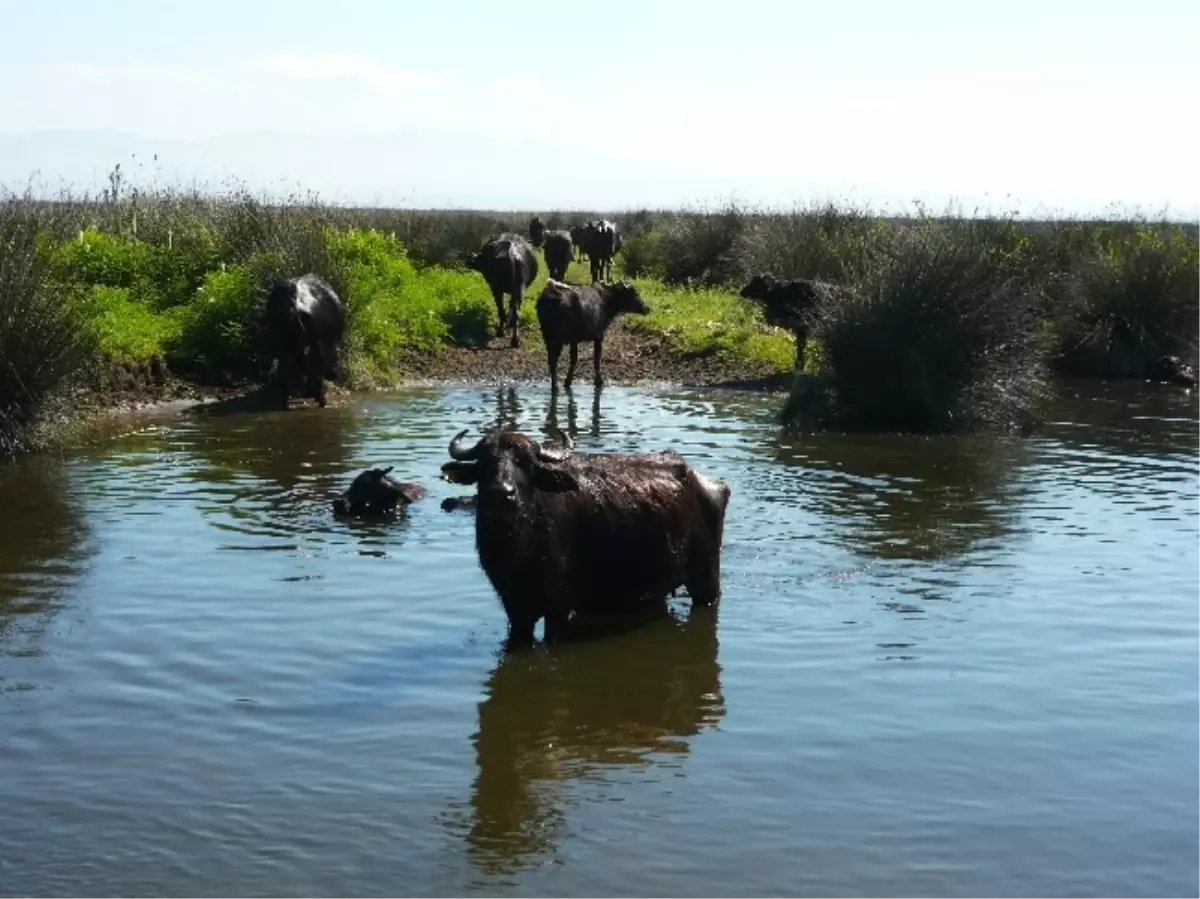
[219,335]
[1133,298]
[641,255]
[938,333]
[698,247]
[698,319]
[43,338]
[125,329]
[823,244]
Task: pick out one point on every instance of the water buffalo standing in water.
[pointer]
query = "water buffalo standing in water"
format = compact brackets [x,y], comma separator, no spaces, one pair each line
[508,265]
[569,314]
[374,493]
[306,323]
[789,304]
[458,503]
[601,241]
[557,532]
[1172,370]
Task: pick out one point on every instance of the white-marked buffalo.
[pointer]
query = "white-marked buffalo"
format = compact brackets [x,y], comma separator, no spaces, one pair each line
[557,532]
[306,324]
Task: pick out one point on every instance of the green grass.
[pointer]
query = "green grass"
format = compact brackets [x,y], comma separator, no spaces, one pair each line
[697,319]
[179,277]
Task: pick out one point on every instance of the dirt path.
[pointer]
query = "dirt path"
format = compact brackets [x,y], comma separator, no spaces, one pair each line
[630,357]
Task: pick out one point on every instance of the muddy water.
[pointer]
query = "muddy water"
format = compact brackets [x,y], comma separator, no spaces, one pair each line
[941,667]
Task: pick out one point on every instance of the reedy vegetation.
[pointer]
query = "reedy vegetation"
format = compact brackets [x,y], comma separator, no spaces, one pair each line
[947,321]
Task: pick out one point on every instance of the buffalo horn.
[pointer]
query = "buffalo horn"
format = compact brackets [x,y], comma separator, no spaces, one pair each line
[457,451]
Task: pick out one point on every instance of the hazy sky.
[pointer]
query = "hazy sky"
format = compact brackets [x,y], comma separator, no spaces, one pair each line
[1070,105]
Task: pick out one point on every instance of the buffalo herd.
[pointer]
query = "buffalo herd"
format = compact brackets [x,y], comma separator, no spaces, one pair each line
[559,532]
[556,531]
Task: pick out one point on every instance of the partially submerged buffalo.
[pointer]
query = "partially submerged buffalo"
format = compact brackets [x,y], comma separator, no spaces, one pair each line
[373,493]
[306,324]
[788,304]
[1172,370]
[508,265]
[601,241]
[569,314]
[558,533]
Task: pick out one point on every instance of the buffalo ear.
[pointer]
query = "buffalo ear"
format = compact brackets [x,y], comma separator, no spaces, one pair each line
[553,480]
[460,472]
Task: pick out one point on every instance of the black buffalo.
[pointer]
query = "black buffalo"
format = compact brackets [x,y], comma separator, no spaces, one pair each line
[789,304]
[373,493]
[537,231]
[556,246]
[458,503]
[577,240]
[569,314]
[601,241]
[1172,370]
[557,250]
[306,324]
[509,265]
[558,533]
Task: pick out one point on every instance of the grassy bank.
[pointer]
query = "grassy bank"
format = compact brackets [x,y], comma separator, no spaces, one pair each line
[165,280]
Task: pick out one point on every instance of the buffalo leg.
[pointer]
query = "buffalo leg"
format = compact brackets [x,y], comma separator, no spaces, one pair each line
[553,352]
[283,378]
[514,310]
[801,343]
[571,365]
[556,625]
[598,349]
[520,632]
[316,373]
[498,296]
[704,582]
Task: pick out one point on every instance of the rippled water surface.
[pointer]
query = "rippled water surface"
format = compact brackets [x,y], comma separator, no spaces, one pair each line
[940,667]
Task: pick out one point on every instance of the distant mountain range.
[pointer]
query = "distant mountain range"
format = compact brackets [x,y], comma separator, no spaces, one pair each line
[425,169]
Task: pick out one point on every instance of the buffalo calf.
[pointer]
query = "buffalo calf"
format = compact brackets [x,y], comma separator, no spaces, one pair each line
[373,493]
[569,314]
[306,324]
[508,265]
[558,533]
[789,304]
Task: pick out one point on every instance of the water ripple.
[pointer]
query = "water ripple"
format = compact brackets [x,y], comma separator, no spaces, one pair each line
[966,663]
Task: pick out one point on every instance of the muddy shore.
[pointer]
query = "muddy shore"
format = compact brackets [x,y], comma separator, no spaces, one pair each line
[93,407]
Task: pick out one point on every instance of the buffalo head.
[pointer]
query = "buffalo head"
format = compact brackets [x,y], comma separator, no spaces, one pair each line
[508,467]
[374,493]
[626,298]
[758,287]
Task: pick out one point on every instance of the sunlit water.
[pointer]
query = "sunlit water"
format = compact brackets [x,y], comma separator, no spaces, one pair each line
[940,667]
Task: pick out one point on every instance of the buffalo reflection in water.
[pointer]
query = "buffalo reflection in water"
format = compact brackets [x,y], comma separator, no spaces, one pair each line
[554,717]
[44,545]
[553,424]
[904,497]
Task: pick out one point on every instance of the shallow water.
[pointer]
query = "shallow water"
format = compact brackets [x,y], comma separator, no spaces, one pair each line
[940,666]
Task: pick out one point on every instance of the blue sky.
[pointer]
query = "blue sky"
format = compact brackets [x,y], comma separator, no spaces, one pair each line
[1063,106]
